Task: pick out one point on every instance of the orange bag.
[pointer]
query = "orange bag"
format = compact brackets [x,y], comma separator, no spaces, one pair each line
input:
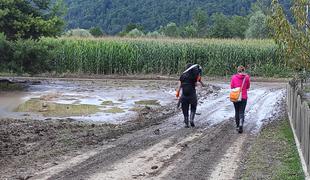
[236,93]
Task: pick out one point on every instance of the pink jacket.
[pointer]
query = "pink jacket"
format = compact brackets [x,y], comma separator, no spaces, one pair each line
[236,81]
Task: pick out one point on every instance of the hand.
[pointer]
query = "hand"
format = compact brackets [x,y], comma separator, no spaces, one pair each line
[177,94]
[202,84]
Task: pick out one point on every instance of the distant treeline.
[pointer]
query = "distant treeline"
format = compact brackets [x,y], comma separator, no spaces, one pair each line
[112,16]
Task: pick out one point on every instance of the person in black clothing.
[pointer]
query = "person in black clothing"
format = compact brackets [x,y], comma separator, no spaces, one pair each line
[187,87]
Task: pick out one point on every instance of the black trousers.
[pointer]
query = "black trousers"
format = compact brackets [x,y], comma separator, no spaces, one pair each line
[189,102]
[239,112]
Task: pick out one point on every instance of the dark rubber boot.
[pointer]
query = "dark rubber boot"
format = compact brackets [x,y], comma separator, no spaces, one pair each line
[237,123]
[192,119]
[186,122]
[240,129]
[241,126]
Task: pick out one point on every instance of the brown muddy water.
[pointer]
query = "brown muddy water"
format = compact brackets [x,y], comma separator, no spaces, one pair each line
[108,101]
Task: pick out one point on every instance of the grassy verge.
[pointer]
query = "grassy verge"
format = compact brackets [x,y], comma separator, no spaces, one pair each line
[273,155]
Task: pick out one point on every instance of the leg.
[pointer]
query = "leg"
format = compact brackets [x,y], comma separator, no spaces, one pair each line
[242,110]
[237,116]
[185,108]
[193,110]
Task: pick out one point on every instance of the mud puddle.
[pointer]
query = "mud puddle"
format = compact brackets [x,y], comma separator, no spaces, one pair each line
[109,101]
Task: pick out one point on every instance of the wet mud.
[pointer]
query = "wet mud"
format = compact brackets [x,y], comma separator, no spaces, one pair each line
[151,145]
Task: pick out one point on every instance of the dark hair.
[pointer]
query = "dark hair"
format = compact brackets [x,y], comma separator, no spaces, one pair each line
[240,69]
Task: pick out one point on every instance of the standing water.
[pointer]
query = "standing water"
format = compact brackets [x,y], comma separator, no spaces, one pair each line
[111,101]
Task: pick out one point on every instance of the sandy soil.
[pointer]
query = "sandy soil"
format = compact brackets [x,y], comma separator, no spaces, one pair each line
[153,146]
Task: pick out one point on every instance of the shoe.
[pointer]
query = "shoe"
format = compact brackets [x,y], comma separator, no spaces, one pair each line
[240,130]
[192,124]
[237,128]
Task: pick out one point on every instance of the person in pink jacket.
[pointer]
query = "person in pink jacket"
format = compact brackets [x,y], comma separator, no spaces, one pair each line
[236,81]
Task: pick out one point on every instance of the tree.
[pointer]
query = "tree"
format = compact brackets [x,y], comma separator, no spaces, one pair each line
[154,34]
[200,23]
[220,27]
[262,5]
[135,33]
[293,38]
[31,18]
[96,31]
[238,26]
[171,30]
[258,26]
[83,33]
[130,27]
[189,31]
[5,52]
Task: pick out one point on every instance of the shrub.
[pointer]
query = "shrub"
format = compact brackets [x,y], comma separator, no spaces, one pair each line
[135,33]
[5,52]
[30,56]
[78,33]
[96,31]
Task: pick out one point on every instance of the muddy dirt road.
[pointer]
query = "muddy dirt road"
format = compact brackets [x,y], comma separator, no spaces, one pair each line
[167,150]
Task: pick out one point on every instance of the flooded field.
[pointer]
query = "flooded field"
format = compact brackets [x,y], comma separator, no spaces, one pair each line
[110,101]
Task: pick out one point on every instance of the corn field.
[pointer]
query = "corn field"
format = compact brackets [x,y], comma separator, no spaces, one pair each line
[164,56]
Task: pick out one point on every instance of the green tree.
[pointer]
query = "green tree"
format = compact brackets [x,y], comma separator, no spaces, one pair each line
[5,52]
[83,33]
[200,22]
[189,31]
[238,26]
[30,19]
[154,34]
[220,27]
[130,27]
[293,38]
[96,31]
[135,33]
[263,6]
[258,26]
[170,30]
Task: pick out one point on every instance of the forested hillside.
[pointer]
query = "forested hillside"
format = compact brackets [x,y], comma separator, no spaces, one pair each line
[113,15]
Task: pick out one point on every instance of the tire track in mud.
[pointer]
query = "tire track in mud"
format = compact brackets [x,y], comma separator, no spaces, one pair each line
[178,153]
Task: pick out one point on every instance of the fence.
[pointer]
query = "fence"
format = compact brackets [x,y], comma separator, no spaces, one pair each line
[299,114]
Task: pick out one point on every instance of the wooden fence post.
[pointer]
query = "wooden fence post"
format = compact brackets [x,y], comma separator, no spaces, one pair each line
[303,128]
[295,108]
[298,117]
[307,134]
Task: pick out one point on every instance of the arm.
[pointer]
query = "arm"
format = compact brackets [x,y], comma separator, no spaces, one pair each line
[200,81]
[178,90]
[232,83]
[249,82]
[202,84]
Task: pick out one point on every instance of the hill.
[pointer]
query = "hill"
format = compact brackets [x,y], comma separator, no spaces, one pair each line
[113,15]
